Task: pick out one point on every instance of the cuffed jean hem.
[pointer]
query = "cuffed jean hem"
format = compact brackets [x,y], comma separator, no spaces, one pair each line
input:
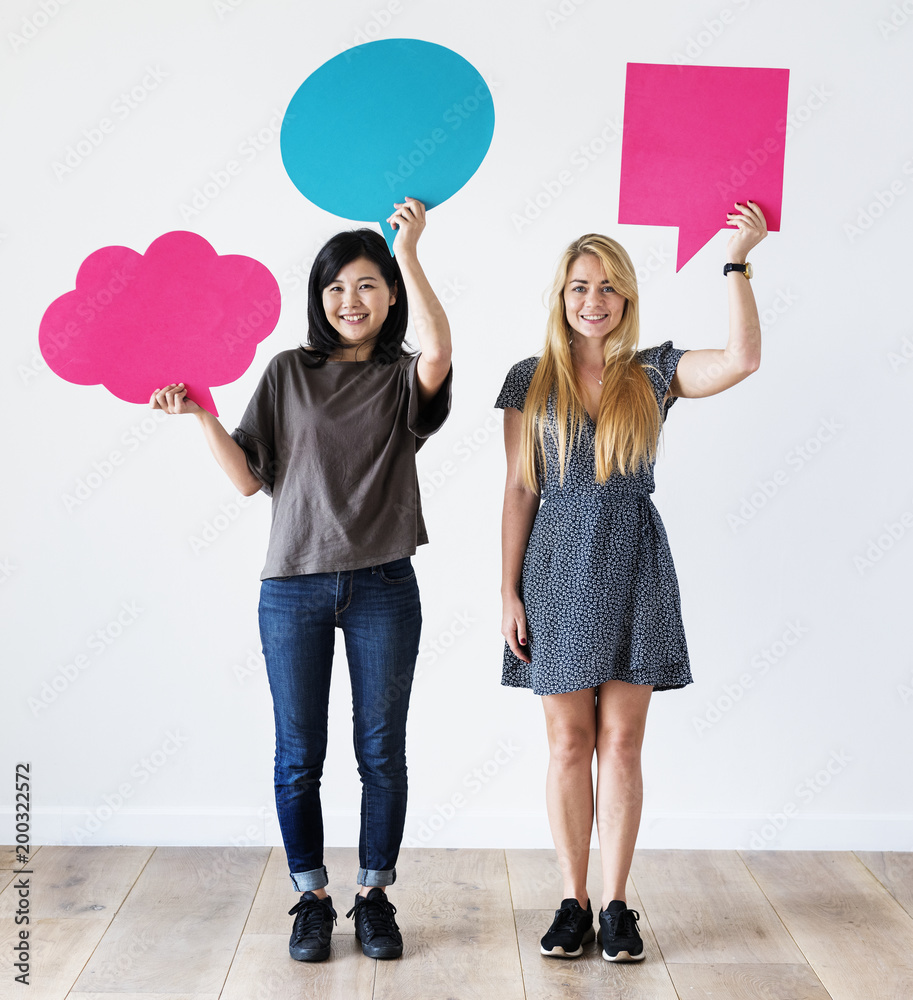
[368,877]
[316,879]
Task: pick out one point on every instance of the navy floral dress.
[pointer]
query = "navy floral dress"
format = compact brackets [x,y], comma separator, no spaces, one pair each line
[598,584]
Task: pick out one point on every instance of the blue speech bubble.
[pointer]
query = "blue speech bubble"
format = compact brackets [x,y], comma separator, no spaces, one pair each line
[384,120]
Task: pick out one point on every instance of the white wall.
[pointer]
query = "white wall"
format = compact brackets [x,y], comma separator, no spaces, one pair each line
[165,734]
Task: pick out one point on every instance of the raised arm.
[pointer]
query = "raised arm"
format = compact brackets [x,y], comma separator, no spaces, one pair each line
[227,452]
[520,506]
[431,326]
[707,372]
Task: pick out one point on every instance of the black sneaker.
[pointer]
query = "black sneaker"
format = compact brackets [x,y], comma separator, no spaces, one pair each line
[375,926]
[571,929]
[618,933]
[310,940]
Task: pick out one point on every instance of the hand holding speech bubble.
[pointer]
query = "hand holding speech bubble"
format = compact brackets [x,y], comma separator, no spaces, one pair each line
[384,120]
[696,140]
[180,312]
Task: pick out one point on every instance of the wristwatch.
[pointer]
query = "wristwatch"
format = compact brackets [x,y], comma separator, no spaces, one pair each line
[744,268]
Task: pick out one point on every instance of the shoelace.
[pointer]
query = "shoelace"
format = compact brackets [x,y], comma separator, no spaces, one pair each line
[624,922]
[310,916]
[378,916]
[565,919]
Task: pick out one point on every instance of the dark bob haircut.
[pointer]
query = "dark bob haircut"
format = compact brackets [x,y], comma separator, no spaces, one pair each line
[334,255]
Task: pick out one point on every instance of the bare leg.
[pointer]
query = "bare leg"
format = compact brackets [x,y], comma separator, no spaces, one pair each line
[570,721]
[621,712]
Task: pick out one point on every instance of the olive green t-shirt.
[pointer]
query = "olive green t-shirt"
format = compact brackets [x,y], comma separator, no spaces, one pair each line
[334,446]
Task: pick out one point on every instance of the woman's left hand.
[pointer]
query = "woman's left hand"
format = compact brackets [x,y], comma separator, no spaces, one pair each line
[408,220]
[752,228]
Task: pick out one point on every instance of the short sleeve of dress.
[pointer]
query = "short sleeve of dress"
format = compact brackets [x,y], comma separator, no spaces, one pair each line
[426,421]
[516,385]
[659,364]
[256,432]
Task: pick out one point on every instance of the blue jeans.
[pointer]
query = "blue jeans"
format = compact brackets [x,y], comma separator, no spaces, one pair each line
[379,612]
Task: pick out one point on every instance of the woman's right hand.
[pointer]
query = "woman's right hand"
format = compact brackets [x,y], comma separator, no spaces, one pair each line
[513,627]
[173,399]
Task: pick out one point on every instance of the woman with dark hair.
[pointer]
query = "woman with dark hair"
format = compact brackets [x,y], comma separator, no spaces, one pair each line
[592,617]
[331,435]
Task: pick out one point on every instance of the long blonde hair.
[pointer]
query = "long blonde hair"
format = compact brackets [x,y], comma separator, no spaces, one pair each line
[628,422]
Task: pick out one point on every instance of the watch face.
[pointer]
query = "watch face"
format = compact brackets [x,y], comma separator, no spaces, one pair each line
[749,273]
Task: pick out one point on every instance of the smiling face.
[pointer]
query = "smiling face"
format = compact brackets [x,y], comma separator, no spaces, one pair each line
[357,301]
[592,307]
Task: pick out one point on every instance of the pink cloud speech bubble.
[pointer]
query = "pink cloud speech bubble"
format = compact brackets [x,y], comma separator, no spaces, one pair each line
[696,140]
[178,313]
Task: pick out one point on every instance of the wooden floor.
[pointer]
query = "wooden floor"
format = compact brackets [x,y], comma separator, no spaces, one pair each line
[194,923]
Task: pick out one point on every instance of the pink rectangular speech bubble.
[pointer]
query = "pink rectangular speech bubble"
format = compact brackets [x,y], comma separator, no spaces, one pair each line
[696,140]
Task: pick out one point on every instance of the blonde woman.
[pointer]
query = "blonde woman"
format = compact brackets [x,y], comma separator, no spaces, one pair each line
[592,618]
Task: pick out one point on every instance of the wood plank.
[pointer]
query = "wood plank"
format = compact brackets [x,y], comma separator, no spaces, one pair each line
[535,880]
[894,870]
[589,975]
[82,882]
[143,996]
[458,930]
[706,908]
[8,858]
[263,970]
[178,930]
[75,892]
[276,894]
[748,982]
[59,949]
[854,934]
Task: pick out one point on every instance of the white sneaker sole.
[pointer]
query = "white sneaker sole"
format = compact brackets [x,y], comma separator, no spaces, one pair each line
[624,956]
[559,952]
